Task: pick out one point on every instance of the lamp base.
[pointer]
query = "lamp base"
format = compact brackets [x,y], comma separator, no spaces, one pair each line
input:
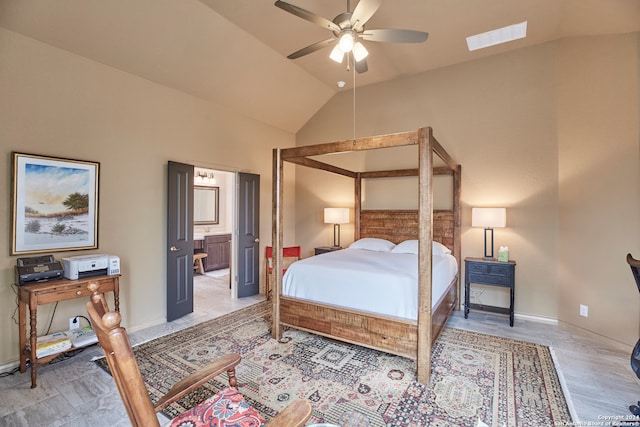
[488,246]
[336,235]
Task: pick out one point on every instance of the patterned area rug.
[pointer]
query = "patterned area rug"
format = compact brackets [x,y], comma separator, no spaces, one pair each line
[476,378]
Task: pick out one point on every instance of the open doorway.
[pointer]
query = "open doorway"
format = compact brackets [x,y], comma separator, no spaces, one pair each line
[227,236]
[215,292]
[212,237]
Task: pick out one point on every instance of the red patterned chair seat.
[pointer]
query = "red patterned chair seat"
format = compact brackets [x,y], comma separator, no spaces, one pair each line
[224,409]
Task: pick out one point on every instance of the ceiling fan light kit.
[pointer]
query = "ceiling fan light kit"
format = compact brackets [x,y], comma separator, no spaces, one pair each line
[359,51]
[348,28]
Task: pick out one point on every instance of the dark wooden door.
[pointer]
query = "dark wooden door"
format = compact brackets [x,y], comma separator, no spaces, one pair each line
[179,241]
[248,234]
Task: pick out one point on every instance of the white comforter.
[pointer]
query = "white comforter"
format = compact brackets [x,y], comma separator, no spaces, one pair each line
[378,282]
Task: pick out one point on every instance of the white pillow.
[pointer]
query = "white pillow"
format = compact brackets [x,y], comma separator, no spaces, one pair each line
[406,247]
[411,247]
[373,244]
[440,249]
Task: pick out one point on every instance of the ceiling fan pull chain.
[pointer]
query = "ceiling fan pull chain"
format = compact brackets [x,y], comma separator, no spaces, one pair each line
[354,105]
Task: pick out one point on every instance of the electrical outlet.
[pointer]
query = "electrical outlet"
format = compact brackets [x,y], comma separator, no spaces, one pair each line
[584,310]
[74,323]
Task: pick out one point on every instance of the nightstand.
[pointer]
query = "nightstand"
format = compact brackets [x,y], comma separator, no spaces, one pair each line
[491,273]
[325,249]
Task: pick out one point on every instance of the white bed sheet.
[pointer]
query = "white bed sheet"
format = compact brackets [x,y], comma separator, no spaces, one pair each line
[378,282]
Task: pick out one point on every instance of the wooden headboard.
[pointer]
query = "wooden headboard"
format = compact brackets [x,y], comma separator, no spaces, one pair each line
[400,225]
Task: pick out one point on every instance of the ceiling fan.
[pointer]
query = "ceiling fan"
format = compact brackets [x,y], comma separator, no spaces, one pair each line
[348,30]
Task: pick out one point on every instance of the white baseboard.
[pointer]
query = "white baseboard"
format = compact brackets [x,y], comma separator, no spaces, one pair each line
[521,316]
[156,322]
[548,320]
[7,367]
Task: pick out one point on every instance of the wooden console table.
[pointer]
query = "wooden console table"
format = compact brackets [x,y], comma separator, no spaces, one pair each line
[46,293]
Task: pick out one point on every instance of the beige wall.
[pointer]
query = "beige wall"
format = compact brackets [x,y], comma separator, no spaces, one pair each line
[599,182]
[56,103]
[514,122]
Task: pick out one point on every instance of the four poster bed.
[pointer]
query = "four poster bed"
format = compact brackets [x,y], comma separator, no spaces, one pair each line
[402,334]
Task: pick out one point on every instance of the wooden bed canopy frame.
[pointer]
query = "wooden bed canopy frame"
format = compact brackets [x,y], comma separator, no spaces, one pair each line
[403,337]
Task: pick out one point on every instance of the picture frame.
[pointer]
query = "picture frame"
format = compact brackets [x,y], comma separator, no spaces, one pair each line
[54,204]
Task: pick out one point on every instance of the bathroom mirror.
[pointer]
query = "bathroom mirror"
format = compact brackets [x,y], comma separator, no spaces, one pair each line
[205,205]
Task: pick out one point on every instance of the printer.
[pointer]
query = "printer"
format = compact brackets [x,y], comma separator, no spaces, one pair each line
[79,267]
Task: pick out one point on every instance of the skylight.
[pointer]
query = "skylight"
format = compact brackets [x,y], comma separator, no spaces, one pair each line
[494,37]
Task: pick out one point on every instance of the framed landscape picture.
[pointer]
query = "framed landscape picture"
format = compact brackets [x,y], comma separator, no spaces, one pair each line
[54,204]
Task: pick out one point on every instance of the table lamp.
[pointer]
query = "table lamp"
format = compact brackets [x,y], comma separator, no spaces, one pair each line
[336,216]
[489,218]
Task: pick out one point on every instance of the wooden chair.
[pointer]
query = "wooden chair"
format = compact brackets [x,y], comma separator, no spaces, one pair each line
[142,412]
[290,255]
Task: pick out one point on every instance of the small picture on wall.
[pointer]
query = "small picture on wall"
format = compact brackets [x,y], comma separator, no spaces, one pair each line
[54,204]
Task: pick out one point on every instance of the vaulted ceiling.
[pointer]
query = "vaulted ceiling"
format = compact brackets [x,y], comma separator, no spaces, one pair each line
[233,52]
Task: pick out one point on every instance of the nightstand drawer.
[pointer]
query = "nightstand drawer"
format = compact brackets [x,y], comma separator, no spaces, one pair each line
[488,269]
[490,279]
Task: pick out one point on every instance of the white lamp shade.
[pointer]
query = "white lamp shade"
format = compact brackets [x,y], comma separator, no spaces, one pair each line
[336,215]
[489,217]
[359,52]
[337,54]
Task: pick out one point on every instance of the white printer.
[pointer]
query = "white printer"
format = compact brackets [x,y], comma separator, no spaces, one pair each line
[78,267]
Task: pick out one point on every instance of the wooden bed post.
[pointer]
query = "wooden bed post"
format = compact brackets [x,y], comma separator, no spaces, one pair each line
[425,208]
[276,241]
[358,205]
[457,224]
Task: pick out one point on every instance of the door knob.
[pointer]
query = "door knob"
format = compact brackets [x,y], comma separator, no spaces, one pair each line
[175,249]
[257,240]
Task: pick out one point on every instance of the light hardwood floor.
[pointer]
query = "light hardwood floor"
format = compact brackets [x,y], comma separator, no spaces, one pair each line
[75,392]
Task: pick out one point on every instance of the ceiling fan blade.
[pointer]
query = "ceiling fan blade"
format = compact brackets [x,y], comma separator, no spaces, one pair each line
[394,36]
[363,12]
[311,48]
[309,16]
[361,66]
